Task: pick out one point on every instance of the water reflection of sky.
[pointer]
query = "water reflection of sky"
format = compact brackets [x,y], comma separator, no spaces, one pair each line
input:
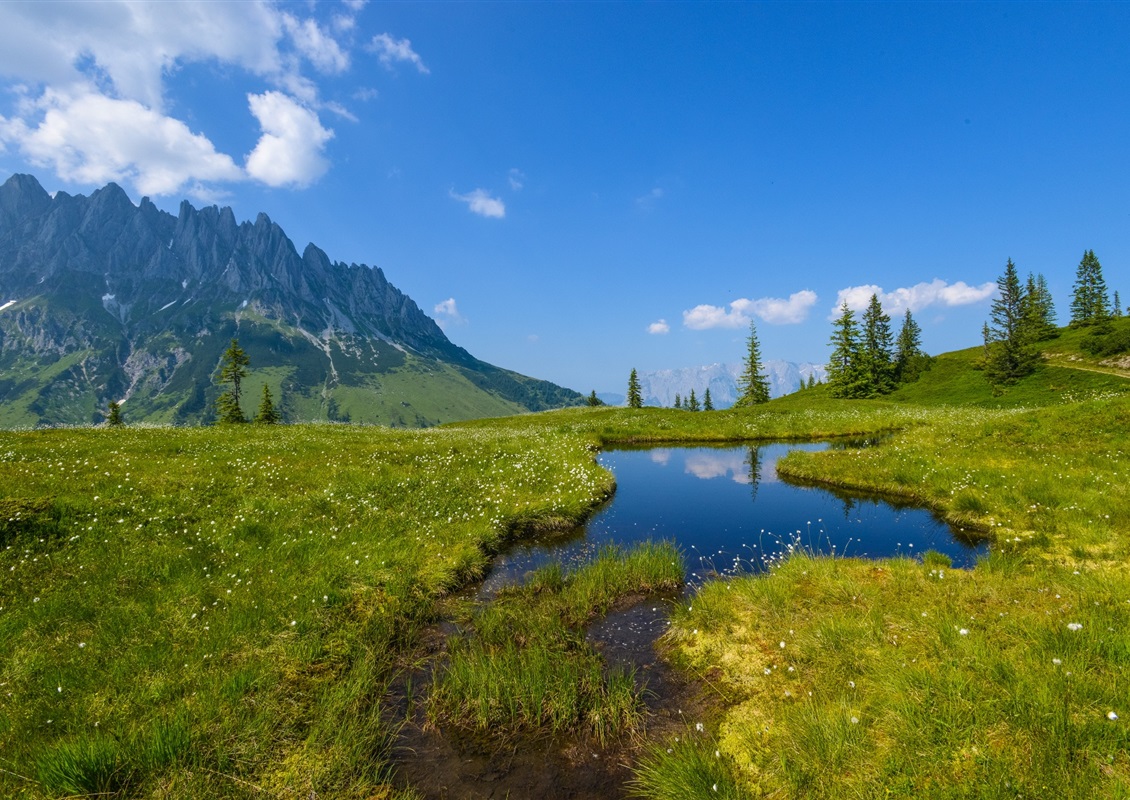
[730,512]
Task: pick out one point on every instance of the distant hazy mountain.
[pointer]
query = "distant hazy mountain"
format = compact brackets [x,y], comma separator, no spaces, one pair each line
[659,388]
[103,300]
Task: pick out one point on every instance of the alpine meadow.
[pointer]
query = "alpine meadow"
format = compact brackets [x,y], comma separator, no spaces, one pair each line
[564,401]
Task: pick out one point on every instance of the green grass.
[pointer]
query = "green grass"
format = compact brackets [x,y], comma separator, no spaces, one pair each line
[218,612]
[853,678]
[256,588]
[523,665]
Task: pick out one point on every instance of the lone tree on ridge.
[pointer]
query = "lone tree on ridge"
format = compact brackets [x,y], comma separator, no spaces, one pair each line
[233,369]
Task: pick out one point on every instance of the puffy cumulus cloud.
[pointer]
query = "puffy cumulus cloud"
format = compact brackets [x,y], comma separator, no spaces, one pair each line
[481,203]
[391,51]
[447,313]
[913,298]
[772,310]
[90,138]
[128,48]
[289,152]
[659,327]
[91,84]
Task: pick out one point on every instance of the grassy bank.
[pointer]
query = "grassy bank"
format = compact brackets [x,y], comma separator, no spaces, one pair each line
[849,678]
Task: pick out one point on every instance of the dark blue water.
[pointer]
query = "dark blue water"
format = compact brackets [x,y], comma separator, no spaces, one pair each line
[730,513]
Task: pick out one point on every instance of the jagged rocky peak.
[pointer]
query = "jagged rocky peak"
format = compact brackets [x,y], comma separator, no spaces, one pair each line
[20,196]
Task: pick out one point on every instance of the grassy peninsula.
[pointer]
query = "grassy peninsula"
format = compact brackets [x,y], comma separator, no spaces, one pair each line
[219,612]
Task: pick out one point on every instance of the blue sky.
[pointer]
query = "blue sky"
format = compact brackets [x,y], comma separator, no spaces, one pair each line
[578,189]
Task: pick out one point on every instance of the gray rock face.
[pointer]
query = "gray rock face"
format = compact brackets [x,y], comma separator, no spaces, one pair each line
[101,275]
[660,387]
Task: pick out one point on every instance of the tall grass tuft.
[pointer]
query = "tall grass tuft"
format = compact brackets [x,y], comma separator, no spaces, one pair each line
[523,666]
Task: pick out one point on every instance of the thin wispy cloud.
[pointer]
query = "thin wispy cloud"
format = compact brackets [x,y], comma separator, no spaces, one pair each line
[447,313]
[913,298]
[480,202]
[517,179]
[392,51]
[739,313]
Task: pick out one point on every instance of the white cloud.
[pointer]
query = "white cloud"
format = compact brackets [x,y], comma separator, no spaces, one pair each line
[659,327]
[289,152]
[128,48]
[91,97]
[447,313]
[320,49]
[90,138]
[481,203]
[517,179]
[772,310]
[390,51]
[915,298]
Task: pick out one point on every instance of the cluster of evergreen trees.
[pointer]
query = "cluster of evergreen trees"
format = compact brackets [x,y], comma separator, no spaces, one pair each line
[1022,316]
[692,403]
[867,360]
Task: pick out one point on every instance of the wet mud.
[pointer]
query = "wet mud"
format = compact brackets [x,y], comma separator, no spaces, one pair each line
[444,764]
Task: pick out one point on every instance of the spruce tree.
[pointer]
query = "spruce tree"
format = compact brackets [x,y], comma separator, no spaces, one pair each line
[1039,309]
[678,401]
[267,413]
[753,386]
[812,380]
[878,341]
[1089,302]
[1010,352]
[635,397]
[707,403]
[909,358]
[114,415]
[233,369]
[692,403]
[846,377]
[593,400]
[1117,307]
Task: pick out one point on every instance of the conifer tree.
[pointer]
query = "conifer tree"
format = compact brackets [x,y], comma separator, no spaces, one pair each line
[909,358]
[267,413]
[692,402]
[1089,303]
[753,386]
[114,415]
[678,401]
[707,403]
[846,377]
[1010,352]
[1117,307]
[233,370]
[878,368]
[593,400]
[635,397]
[1039,309]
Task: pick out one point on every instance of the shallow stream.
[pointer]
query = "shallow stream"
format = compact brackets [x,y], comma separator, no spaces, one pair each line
[730,513]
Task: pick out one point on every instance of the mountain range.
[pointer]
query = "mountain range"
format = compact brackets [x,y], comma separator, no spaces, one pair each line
[660,387]
[102,300]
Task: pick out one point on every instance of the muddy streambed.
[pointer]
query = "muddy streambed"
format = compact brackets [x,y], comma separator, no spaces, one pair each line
[729,512]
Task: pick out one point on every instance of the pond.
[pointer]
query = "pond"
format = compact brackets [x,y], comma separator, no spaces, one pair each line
[730,513]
